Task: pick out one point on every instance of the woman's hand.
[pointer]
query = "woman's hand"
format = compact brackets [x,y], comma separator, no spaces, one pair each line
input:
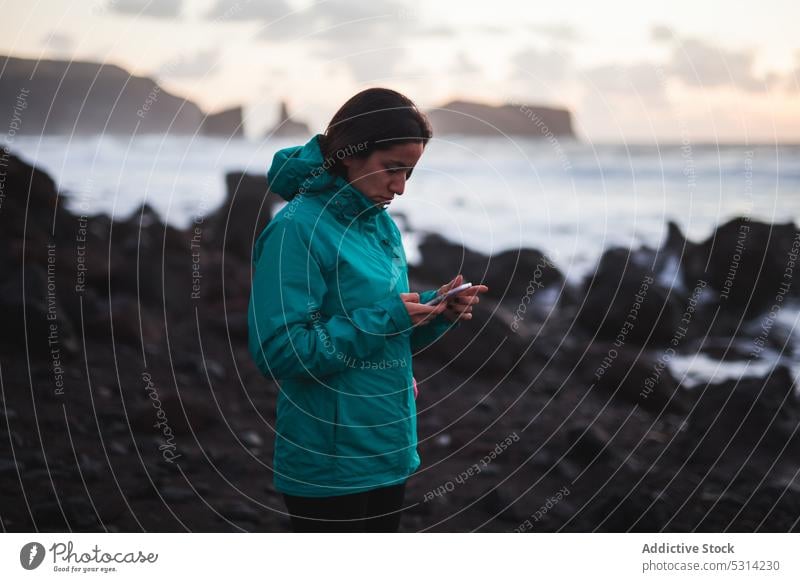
[460,306]
[421,314]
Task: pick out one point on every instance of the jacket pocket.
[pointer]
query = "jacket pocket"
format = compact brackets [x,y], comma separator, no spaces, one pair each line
[370,429]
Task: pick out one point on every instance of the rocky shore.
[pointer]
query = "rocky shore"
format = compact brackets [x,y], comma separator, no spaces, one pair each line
[129,401]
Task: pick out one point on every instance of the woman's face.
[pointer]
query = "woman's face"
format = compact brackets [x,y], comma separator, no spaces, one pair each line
[383,174]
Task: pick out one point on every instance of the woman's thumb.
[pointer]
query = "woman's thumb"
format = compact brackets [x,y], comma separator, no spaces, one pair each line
[410,297]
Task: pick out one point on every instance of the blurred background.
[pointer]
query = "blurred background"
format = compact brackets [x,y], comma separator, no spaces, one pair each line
[594,163]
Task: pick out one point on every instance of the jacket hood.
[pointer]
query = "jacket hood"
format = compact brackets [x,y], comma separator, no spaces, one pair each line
[299,169]
[302,170]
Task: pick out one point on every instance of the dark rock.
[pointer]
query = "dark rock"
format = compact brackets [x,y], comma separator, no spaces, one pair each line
[125,322]
[589,444]
[240,511]
[33,318]
[510,275]
[748,418]
[631,510]
[30,204]
[252,439]
[74,513]
[118,448]
[234,227]
[500,505]
[177,408]
[8,469]
[624,299]
[491,350]
[745,261]
[174,494]
[631,376]
[91,469]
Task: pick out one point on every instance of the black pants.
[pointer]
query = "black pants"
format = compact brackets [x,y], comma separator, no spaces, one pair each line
[376,510]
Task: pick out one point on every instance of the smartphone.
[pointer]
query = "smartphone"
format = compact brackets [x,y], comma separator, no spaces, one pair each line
[455,291]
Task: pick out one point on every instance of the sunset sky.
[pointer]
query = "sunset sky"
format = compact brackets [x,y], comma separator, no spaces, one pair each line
[629,71]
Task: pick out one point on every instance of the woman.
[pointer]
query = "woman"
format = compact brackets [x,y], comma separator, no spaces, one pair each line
[331,317]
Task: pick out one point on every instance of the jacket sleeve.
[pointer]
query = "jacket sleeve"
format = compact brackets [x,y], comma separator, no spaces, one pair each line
[288,336]
[425,335]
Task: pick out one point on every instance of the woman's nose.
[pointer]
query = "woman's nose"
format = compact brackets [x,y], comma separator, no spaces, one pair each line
[398,185]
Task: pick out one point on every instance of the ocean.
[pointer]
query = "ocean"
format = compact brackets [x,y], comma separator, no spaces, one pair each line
[568,199]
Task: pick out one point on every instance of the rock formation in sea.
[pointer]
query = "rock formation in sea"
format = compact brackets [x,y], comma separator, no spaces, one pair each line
[287,126]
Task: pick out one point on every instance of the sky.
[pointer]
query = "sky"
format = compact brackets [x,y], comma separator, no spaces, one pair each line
[634,72]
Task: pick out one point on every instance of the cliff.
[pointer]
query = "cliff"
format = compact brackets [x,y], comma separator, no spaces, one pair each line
[469,118]
[227,123]
[84,98]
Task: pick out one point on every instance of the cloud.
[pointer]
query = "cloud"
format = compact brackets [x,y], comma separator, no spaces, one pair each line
[697,63]
[368,37]
[375,65]
[700,64]
[557,32]
[544,66]
[463,66]
[266,10]
[194,66]
[151,8]
[435,31]
[365,61]
[60,43]
[622,102]
[539,75]
[345,20]
[492,29]
[645,80]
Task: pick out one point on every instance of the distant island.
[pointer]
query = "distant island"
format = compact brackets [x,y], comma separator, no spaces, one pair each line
[47,97]
[86,98]
[469,118]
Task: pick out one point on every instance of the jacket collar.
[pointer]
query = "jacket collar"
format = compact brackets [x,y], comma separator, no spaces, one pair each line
[302,170]
[349,204]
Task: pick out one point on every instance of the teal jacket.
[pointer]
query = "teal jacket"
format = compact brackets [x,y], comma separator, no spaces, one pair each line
[327,322]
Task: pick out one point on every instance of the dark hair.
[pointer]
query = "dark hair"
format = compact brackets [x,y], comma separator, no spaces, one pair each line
[374,119]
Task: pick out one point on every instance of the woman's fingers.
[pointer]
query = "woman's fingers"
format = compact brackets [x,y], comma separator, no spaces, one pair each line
[457,307]
[465,300]
[460,307]
[458,280]
[474,290]
[422,314]
[461,303]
